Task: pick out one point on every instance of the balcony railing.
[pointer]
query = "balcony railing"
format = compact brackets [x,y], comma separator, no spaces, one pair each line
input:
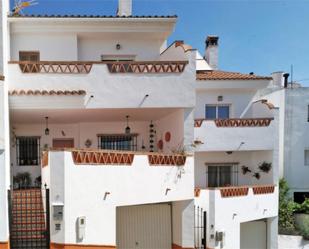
[80,67]
[237,191]
[237,122]
[121,158]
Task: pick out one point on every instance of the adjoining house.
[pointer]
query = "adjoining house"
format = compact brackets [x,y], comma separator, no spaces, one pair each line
[116,140]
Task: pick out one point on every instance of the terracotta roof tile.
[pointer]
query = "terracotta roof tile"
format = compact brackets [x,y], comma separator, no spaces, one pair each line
[223,75]
[91,16]
[47,92]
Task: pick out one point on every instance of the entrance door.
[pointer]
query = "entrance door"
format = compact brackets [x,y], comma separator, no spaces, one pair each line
[63,143]
[253,235]
[144,227]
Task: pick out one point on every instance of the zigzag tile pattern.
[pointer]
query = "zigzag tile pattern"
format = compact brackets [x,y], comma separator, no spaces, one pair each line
[266,189]
[168,160]
[102,158]
[147,67]
[247,122]
[234,191]
[55,67]
[198,122]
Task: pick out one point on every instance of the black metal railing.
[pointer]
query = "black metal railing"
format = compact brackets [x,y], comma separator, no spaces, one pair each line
[200,228]
[29,218]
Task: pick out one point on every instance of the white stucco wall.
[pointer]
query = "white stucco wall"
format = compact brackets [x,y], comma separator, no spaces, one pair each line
[215,138]
[52,47]
[143,48]
[250,159]
[292,242]
[115,90]
[128,185]
[296,133]
[82,131]
[238,99]
[226,214]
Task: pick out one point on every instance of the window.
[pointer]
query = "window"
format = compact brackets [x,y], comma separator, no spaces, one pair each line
[299,197]
[32,56]
[217,111]
[307,157]
[117,57]
[222,175]
[29,56]
[118,142]
[28,151]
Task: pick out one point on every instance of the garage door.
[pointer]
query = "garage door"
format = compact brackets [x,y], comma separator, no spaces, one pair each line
[253,235]
[144,227]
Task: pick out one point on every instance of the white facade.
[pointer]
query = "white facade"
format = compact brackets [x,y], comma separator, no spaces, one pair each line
[92,72]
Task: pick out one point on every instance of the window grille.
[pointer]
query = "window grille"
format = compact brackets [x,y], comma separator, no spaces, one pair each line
[127,142]
[28,151]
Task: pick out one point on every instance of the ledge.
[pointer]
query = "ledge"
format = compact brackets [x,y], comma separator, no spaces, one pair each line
[84,67]
[235,191]
[236,122]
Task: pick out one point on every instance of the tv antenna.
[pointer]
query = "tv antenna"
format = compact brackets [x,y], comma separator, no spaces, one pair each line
[19,5]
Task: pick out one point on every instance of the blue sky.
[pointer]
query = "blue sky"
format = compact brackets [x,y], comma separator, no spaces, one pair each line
[260,36]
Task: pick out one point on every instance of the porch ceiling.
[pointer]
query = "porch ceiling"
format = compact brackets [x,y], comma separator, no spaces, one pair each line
[89,115]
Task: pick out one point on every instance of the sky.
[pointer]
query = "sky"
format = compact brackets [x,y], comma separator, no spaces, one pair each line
[260,36]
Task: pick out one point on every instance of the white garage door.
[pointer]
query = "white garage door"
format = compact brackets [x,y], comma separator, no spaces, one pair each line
[144,227]
[253,235]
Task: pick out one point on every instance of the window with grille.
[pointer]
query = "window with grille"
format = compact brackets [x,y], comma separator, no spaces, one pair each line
[28,151]
[222,175]
[126,142]
[217,111]
[32,56]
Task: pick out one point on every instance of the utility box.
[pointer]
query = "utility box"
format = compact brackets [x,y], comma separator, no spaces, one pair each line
[58,211]
[81,227]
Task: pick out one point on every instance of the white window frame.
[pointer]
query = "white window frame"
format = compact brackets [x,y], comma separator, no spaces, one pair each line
[234,172]
[217,109]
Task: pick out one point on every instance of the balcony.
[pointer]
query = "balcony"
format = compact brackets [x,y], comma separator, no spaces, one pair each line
[124,178]
[234,134]
[243,203]
[112,84]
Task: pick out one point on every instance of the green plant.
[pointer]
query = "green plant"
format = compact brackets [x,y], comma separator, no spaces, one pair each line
[286,209]
[22,180]
[302,208]
[265,167]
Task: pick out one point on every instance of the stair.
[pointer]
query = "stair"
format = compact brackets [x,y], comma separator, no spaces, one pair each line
[28,223]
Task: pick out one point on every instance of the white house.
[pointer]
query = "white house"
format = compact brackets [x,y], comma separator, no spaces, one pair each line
[293,100]
[236,136]
[135,144]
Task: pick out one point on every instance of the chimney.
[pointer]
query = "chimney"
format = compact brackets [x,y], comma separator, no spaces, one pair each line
[124,8]
[277,79]
[286,78]
[211,52]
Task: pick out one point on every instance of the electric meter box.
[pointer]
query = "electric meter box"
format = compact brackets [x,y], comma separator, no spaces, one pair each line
[58,211]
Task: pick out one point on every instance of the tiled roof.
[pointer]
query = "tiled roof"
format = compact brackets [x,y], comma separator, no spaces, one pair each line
[47,92]
[223,75]
[91,16]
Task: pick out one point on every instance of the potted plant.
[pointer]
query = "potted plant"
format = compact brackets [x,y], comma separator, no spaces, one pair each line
[265,167]
[22,180]
[245,169]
